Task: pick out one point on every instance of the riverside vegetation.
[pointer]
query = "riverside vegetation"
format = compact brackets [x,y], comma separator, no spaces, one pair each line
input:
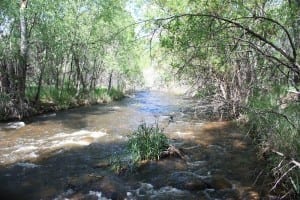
[244,55]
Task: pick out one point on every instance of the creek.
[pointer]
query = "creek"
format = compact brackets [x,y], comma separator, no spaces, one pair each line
[64,155]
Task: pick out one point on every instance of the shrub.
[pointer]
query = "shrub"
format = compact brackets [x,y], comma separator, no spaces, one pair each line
[147,143]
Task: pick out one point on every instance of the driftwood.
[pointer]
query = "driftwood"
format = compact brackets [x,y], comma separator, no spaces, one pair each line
[172,151]
[291,162]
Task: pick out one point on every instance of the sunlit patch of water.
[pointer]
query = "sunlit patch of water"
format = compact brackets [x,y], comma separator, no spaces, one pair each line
[29,149]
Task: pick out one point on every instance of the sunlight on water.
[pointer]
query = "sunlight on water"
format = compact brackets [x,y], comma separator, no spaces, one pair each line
[28,149]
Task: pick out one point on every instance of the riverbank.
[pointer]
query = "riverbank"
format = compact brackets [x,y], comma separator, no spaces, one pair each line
[53,102]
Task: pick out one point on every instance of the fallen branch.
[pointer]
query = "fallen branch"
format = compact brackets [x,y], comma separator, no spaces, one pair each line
[292,161]
[283,175]
[172,151]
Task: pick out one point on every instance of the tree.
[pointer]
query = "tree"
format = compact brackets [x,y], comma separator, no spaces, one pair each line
[23,61]
[60,52]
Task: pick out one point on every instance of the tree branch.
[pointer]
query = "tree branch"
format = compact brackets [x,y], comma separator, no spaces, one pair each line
[294,66]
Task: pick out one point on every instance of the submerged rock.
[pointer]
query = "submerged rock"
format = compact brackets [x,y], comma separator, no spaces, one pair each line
[218,182]
[111,187]
[147,191]
[27,165]
[187,181]
[228,194]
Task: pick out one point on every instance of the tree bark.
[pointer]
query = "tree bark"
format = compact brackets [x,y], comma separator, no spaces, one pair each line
[22,67]
[110,81]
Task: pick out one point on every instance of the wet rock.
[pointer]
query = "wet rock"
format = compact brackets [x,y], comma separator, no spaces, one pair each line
[111,187]
[147,191]
[218,182]
[203,171]
[187,181]
[250,195]
[217,148]
[196,164]
[144,189]
[155,172]
[14,125]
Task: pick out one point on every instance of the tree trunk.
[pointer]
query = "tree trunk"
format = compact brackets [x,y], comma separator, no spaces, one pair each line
[22,67]
[110,81]
[4,79]
[37,96]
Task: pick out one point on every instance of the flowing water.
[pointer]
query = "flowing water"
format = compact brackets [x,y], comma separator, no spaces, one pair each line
[64,155]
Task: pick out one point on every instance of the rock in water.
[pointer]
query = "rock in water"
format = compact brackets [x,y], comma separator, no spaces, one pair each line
[15,125]
[187,181]
[218,182]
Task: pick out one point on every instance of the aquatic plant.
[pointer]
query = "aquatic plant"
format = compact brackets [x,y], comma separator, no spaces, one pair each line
[147,143]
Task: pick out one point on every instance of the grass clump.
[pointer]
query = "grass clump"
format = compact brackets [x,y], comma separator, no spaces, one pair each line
[147,143]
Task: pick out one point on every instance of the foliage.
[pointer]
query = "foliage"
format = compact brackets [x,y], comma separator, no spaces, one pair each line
[274,119]
[207,91]
[115,94]
[117,164]
[66,97]
[147,143]
[275,124]
[73,48]
[5,105]
[242,49]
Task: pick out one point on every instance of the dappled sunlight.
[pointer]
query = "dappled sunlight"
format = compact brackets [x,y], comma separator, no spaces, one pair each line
[28,149]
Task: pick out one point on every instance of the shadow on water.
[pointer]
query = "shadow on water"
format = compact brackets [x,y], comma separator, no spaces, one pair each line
[215,149]
[49,177]
[211,149]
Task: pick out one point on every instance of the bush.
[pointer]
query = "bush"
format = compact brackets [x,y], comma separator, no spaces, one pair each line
[147,143]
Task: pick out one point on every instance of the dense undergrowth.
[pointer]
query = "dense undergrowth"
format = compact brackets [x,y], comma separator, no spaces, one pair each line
[274,124]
